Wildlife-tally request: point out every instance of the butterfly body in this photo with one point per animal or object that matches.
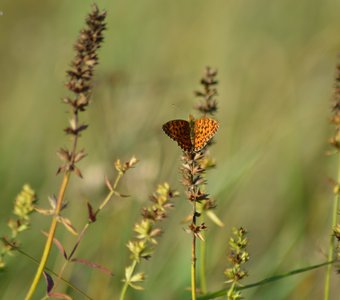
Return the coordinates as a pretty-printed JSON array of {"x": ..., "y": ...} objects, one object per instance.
[{"x": 191, "y": 135}]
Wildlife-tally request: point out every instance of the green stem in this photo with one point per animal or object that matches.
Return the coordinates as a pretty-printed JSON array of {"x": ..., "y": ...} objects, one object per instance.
[
  {"x": 50, "y": 237},
  {"x": 193, "y": 255},
  {"x": 111, "y": 193},
  {"x": 126, "y": 282},
  {"x": 86, "y": 226},
  {"x": 231, "y": 290},
  {"x": 223, "y": 292},
  {"x": 203, "y": 248},
  {"x": 332, "y": 238}
]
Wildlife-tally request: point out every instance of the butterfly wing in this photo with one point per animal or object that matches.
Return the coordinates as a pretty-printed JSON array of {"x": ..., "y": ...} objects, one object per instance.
[
  {"x": 205, "y": 129},
  {"x": 179, "y": 131}
]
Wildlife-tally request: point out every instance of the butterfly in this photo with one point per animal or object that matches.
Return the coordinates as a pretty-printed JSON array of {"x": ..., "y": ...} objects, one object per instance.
[{"x": 191, "y": 135}]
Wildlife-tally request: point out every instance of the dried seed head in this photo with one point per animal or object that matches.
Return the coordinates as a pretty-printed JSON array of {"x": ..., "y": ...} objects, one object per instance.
[
  {"x": 335, "y": 119},
  {"x": 209, "y": 103}
]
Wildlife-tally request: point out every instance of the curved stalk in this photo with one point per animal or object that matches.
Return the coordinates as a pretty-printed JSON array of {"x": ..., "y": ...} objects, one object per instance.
[
  {"x": 86, "y": 226},
  {"x": 50, "y": 237}
]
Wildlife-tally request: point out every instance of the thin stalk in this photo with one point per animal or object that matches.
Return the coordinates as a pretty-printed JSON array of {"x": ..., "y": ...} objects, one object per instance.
[
  {"x": 126, "y": 283},
  {"x": 50, "y": 237},
  {"x": 231, "y": 290},
  {"x": 266, "y": 280},
  {"x": 86, "y": 226},
  {"x": 108, "y": 197},
  {"x": 66, "y": 262},
  {"x": 54, "y": 222},
  {"x": 193, "y": 255},
  {"x": 202, "y": 259},
  {"x": 332, "y": 237},
  {"x": 47, "y": 269}
]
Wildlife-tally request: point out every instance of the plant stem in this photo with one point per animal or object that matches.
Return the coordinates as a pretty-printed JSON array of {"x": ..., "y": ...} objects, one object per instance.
[
  {"x": 69, "y": 284},
  {"x": 262, "y": 282},
  {"x": 108, "y": 197},
  {"x": 50, "y": 237},
  {"x": 86, "y": 226},
  {"x": 332, "y": 238},
  {"x": 231, "y": 290},
  {"x": 193, "y": 254},
  {"x": 203, "y": 247},
  {"x": 126, "y": 282}
]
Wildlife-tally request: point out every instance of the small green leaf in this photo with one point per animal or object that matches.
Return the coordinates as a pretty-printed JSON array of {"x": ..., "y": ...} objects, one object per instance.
[
  {"x": 136, "y": 287},
  {"x": 139, "y": 277},
  {"x": 128, "y": 273},
  {"x": 68, "y": 225},
  {"x": 213, "y": 217}
]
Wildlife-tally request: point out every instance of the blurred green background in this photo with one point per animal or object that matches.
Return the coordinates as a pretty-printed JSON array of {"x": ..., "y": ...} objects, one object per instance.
[{"x": 276, "y": 62}]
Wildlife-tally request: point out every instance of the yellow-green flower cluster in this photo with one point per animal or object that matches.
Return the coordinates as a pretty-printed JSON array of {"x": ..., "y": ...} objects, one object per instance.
[
  {"x": 237, "y": 256},
  {"x": 23, "y": 207},
  {"x": 143, "y": 246}
]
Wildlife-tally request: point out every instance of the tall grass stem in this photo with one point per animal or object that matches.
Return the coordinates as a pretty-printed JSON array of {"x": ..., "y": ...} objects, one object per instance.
[
  {"x": 80, "y": 236},
  {"x": 193, "y": 254},
  {"x": 50, "y": 237},
  {"x": 332, "y": 238},
  {"x": 203, "y": 260}
]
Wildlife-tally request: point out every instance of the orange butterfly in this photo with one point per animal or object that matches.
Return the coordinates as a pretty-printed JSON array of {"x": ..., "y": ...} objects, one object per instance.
[{"x": 192, "y": 135}]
